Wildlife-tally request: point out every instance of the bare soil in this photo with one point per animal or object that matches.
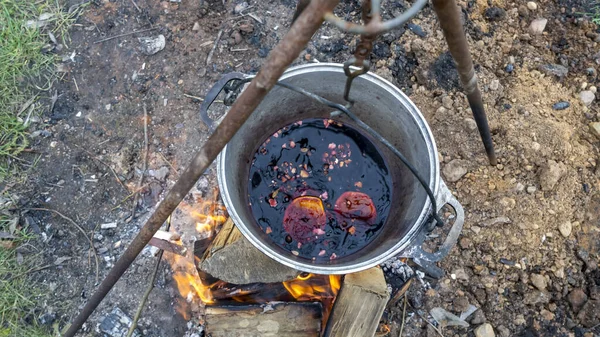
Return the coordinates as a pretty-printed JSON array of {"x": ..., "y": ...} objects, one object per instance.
[{"x": 97, "y": 122}]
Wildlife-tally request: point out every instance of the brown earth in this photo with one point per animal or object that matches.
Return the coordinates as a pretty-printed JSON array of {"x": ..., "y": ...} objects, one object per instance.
[{"x": 547, "y": 176}]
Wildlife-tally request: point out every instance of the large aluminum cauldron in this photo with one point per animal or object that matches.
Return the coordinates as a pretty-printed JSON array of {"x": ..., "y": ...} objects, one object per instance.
[{"x": 387, "y": 110}]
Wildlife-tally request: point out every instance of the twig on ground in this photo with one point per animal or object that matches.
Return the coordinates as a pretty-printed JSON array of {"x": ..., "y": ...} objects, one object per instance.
[
  {"x": 212, "y": 51},
  {"x": 79, "y": 228},
  {"x": 126, "y": 34},
  {"x": 136, "y": 6},
  {"x": 194, "y": 97},
  {"x": 426, "y": 320},
  {"x": 168, "y": 162},
  {"x": 403, "y": 317},
  {"x": 105, "y": 164},
  {"x": 75, "y": 81},
  {"x": 144, "y": 165},
  {"x": 138, "y": 313}
]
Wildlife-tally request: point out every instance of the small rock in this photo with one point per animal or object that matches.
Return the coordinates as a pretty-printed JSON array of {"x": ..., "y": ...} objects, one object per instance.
[
  {"x": 495, "y": 13},
  {"x": 116, "y": 324},
  {"x": 507, "y": 202},
  {"x": 536, "y": 297},
  {"x": 547, "y": 315},
  {"x": 416, "y": 29},
  {"x": 455, "y": 170},
  {"x": 554, "y": 69},
  {"x": 565, "y": 228},
  {"x": 577, "y": 299},
  {"x": 485, "y": 330},
  {"x": 478, "y": 317},
  {"x": 494, "y": 85},
  {"x": 551, "y": 174},
  {"x": 461, "y": 274},
  {"x": 587, "y": 97},
  {"x": 240, "y": 7},
  {"x": 520, "y": 320},
  {"x": 160, "y": 174},
  {"x": 561, "y": 105},
  {"x": 537, "y": 26},
  {"x": 589, "y": 316},
  {"x": 109, "y": 225},
  {"x": 595, "y": 129},
  {"x": 470, "y": 124},
  {"x": 501, "y": 220},
  {"x": 47, "y": 318},
  {"x": 538, "y": 281},
  {"x": 532, "y": 6},
  {"x": 196, "y": 27},
  {"x": 447, "y": 102},
  {"x": 593, "y": 89},
  {"x": 509, "y": 68},
  {"x": 531, "y": 189},
  {"x": 503, "y": 331},
  {"x": 151, "y": 45},
  {"x": 237, "y": 37},
  {"x": 461, "y": 304}
]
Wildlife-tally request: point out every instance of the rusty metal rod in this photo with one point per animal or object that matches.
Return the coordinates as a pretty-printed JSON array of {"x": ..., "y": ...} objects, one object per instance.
[
  {"x": 278, "y": 60},
  {"x": 449, "y": 16}
]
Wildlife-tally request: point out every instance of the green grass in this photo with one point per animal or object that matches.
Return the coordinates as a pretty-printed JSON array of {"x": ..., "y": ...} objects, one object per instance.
[
  {"x": 17, "y": 295},
  {"x": 24, "y": 66}
]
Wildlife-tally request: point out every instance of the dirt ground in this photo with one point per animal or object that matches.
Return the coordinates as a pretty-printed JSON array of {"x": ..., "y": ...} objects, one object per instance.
[{"x": 528, "y": 254}]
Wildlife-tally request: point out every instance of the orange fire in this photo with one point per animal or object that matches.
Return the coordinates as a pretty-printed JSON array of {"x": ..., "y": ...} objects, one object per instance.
[
  {"x": 196, "y": 292},
  {"x": 312, "y": 287}
]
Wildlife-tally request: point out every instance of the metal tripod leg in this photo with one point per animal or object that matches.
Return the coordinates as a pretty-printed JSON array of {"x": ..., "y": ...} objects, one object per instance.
[{"x": 449, "y": 16}]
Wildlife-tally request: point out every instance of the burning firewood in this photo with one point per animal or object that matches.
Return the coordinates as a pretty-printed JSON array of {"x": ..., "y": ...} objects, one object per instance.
[
  {"x": 359, "y": 305},
  {"x": 231, "y": 258},
  {"x": 273, "y": 319}
]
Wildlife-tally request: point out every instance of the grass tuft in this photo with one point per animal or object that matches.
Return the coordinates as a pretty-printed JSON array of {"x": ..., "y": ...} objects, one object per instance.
[{"x": 24, "y": 64}]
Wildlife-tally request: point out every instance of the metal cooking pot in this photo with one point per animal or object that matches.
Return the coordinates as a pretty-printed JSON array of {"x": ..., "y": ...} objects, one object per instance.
[{"x": 388, "y": 111}]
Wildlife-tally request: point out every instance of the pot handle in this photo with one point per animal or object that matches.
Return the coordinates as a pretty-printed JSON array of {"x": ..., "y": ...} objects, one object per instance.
[
  {"x": 211, "y": 95},
  {"x": 425, "y": 259}
]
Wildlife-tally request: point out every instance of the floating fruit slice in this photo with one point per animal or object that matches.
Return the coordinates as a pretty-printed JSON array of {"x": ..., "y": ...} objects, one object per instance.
[
  {"x": 304, "y": 218},
  {"x": 356, "y": 205}
]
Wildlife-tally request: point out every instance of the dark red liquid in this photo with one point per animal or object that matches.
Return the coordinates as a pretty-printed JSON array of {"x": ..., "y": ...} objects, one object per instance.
[{"x": 319, "y": 189}]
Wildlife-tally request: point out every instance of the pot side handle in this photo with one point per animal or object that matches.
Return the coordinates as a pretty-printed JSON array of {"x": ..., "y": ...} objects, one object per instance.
[
  {"x": 428, "y": 260},
  {"x": 212, "y": 94}
]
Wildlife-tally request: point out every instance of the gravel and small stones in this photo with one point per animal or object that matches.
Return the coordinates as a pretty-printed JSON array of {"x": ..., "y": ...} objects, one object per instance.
[
  {"x": 150, "y": 45},
  {"x": 554, "y": 70},
  {"x": 561, "y": 105},
  {"x": 589, "y": 315},
  {"x": 565, "y": 228},
  {"x": 485, "y": 330},
  {"x": 455, "y": 170},
  {"x": 537, "y": 26},
  {"x": 587, "y": 97}
]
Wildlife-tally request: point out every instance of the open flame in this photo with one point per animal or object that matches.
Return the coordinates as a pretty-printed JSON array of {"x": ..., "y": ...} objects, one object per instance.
[{"x": 197, "y": 289}]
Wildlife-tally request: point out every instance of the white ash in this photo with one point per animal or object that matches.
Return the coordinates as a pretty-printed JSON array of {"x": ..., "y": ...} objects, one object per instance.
[{"x": 397, "y": 267}]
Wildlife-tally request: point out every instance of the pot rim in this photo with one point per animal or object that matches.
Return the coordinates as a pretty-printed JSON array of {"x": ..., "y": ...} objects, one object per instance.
[{"x": 404, "y": 243}]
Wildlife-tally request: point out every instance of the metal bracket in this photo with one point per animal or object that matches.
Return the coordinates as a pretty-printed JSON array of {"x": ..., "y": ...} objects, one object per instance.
[{"x": 428, "y": 260}]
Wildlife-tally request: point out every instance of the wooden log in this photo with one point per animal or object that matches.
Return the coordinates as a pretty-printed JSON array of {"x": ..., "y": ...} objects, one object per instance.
[
  {"x": 291, "y": 319},
  {"x": 359, "y": 305},
  {"x": 233, "y": 259}
]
